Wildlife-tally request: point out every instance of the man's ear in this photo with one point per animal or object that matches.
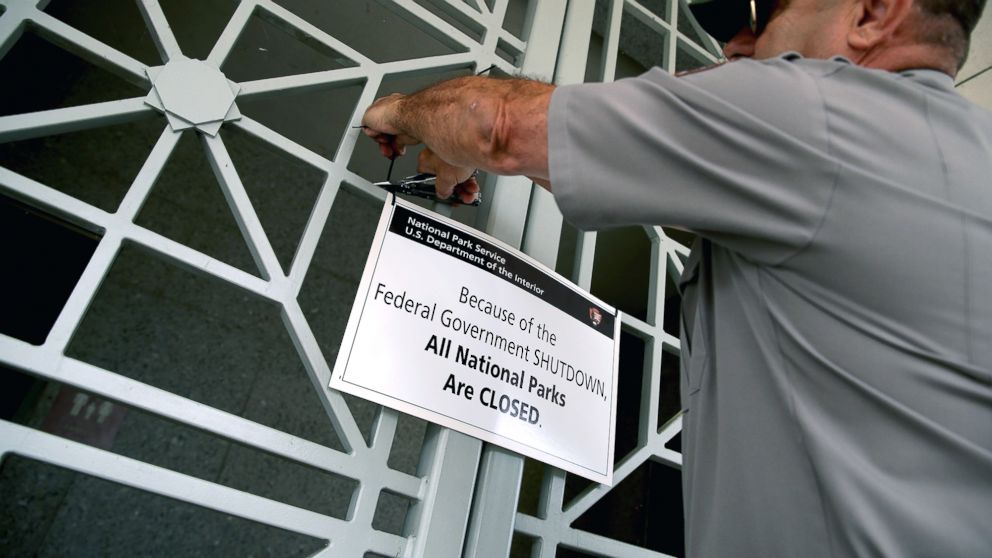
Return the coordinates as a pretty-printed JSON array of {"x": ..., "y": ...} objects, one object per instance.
[{"x": 877, "y": 21}]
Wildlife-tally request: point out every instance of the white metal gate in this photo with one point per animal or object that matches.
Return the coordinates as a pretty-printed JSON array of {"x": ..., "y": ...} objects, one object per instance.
[{"x": 462, "y": 497}]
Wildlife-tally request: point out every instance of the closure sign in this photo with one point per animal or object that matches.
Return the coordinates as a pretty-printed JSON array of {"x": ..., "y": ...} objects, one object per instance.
[{"x": 457, "y": 328}]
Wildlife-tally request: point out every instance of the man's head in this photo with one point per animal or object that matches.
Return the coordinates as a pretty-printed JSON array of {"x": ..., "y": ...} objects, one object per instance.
[{"x": 889, "y": 34}]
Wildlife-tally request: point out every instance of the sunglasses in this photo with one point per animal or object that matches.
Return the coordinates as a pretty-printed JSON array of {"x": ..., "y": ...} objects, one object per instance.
[
  {"x": 724, "y": 18},
  {"x": 760, "y": 12}
]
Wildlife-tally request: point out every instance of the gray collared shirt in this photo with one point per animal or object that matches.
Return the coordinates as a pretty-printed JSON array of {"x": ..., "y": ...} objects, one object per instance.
[{"x": 837, "y": 333}]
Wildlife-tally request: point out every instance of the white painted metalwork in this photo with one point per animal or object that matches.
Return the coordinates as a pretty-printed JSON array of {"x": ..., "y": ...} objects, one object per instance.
[
  {"x": 442, "y": 490},
  {"x": 193, "y": 94}
]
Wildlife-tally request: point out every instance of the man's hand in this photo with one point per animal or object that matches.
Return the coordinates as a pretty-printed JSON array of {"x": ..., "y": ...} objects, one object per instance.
[
  {"x": 472, "y": 122},
  {"x": 381, "y": 123},
  {"x": 450, "y": 178}
]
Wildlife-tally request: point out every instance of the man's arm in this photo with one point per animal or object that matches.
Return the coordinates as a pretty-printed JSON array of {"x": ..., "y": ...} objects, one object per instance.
[{"x": 497, "y": 125}]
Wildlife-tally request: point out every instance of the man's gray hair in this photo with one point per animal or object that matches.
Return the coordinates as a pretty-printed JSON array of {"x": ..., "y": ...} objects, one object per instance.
[{"x": 949, "y": 23}]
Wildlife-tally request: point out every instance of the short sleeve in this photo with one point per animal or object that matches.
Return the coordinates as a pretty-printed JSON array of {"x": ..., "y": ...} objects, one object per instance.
[{"x": 738, "y": 154}]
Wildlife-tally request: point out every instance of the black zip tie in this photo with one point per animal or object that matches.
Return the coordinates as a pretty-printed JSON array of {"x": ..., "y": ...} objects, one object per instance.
[{"x": 389, "y": 173}]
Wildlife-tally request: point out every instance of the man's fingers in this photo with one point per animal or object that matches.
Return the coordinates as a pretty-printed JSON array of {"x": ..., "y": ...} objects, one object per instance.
[
  {"x": 379, "y": 117},
  {"x": 450, "y": 179},
  {"x": 378, "y": 123},
  {"x": 391, "y": 151},
  {"x": 468, "y": 191},
  {"x": 455, "y": 180},
  {"x": 444, "y": 185}
]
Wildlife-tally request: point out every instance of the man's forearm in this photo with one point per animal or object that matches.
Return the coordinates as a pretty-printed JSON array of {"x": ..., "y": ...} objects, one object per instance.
[{"x": 498, "y": 125}]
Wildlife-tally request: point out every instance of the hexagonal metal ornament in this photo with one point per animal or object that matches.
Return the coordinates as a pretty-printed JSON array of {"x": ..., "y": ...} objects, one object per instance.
[{"x": 192, "y": 93}]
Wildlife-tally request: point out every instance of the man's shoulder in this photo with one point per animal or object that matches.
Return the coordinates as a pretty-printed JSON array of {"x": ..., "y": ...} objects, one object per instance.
[
  {"x": 770, "y": 78},
  {"x": 781, "y": 91}
]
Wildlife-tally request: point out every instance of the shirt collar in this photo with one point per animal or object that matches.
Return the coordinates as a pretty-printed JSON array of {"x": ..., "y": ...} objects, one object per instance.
[{"x": 934, "y": 78}]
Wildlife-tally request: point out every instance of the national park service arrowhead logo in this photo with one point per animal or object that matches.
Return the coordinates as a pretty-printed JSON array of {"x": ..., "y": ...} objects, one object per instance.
[{"x": 595, "y": 316}]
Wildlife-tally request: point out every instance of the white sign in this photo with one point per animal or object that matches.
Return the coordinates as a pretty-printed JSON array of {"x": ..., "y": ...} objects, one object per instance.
[{"x": 457, "y": 328}]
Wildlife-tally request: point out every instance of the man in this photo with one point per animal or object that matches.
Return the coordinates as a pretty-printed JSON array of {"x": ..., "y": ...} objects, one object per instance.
[{"x": 837, "y": 309}]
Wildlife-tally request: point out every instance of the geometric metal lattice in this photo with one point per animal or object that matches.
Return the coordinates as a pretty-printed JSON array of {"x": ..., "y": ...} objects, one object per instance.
[
  {"x": 452, "y": 476},
  {"x": 197, "y": 99}
]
